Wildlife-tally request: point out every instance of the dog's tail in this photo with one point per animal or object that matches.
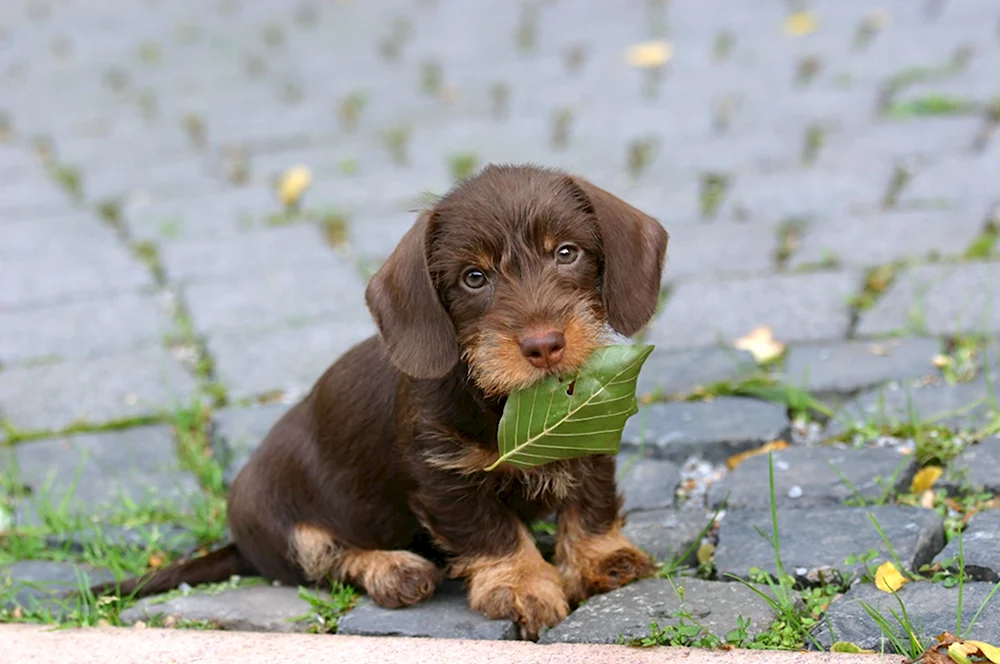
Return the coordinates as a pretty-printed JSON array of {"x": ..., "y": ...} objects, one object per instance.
[{"x": 219, "y": 565}]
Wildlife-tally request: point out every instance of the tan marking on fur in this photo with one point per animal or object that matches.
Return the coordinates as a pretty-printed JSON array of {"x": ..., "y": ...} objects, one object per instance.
[
  {"x": 549, "y": 243},
  {"x": 590, "y": 564},
  {"x": 520, "y": 586},
  {"x": 555, "y": 479},
  {"x": 498, "y": 367},
  {"x": 316, "y": 551},
  {"x": 391, "y": 578}
]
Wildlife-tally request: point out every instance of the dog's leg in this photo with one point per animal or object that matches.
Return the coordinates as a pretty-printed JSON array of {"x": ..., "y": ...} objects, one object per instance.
[
  {"x": 391, "y": 578},
  {"x": 592, "y": 554},
  {"x": 495, "y": 553}
]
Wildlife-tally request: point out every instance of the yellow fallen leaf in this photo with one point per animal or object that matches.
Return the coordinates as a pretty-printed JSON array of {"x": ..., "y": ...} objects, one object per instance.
[
  {"x": 705, "y": 553},
  {"x": 941, "y": 361},
  {"x": 888, "y": 579},
  {"x": 800, "y": 24},
  {"x": 293, "y": 184},
  {"x": 761, "y": 344},
  {"x": 960, "y": 652},
  {"x": 925, "y": 479},
  {"x": 986, "y": 650},
  {"x": 737, "y": 459},
  {"x": 649, "y": 54}
]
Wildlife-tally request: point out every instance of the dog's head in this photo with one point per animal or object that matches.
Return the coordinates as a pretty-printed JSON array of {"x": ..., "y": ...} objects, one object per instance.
[{"x": 519, "y": 271}]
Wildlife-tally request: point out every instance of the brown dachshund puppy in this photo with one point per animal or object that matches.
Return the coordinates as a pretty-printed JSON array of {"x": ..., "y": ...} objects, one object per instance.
[{"x": 516, "y": 274}]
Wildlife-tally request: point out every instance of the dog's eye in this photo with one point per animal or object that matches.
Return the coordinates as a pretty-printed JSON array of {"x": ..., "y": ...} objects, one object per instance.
[
  {"x": 474, "y": 278},
  {"x": 567, "y": 253}
]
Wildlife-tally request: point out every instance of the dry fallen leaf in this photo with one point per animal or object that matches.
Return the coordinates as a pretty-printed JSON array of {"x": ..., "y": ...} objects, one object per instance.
[
  {"x": 293, "y": 185},
  {"x": 941, "y": 361},
  {"x": 649, "y": 54},
  {"x": 927, "y": 499},
  {"x": 925, "y": 479},
  {"x": 888, "y": 578},
  {"x": 800, "y": 24},
  {"x": 737, "y": 459},
  {"x": 761, "y": 344}
]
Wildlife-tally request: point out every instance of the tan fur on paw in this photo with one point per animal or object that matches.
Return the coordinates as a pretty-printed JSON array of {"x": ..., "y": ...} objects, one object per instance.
[
  {"x": 520, "y": 587},
  {"x": 592, "y": 564},
  {"x": 392, "y": 578}
]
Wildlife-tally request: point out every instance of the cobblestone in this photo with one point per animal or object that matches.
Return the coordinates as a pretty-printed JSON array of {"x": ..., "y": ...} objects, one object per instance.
[{"x": 785, "y": 166}]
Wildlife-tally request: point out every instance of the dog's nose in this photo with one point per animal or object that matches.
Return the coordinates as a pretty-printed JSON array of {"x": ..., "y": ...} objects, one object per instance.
[{"x": 544, "y": 350}]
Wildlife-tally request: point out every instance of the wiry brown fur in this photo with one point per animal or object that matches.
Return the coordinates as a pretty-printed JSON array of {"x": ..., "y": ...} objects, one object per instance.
[{"x": 377, "y": 477}]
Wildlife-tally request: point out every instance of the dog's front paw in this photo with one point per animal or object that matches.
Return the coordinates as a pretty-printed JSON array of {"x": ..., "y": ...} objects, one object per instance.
[
  {"x": 619, "y": 568},
  {"x": 399, "y": 578},
  {"x": 600, "y": 563},
  {"x": 532, "y": 596}
]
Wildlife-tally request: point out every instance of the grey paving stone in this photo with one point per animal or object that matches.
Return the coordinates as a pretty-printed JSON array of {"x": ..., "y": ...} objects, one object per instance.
[
  {"x": 154, "y": 536},
  {"x": 646, "y": 484},
  {"x": 930, "y": 605},
  {"x": 974, "y": 468},
  {"x": 289, "y": 360},
  {"x": 963, "y": 406},
  {"x": 42, "y": 584},
  {"x": 256, "y": 608},
  {"x": 216, "y": 215},
  {"x": 446, "y": 615},
  {"x": 668, "y": 534},
  {"x": 375, "y": 237},
  {"x": 713, "y": 430},
  {"x": 82, "y": 329},
  {"x": 97, "y": 473},
  {"x": 43, "y": 262},
  {"x": 675, "y": 373},
  {"x": 805, "y": 193},
  {"x": 807, "y": 477},
  {"x": 627, "y": 613},
  {"x": 99, "y": 390},
  {"x": 980, "y": 548},
  {"x": 940, "y": 299},
  {"x": 845, "y": 367},
  {"x": 720, "y": 249},
  {"x": 237, "y": 432},
  {"x": 278, "y": 299},
  {"x": 800, "y": 307},
  {"x": 958, "y": 181},
  {"x": 244, "y": 254},
  {"x": 826, "y": 539},
  {"x": 887, "y": 237}
]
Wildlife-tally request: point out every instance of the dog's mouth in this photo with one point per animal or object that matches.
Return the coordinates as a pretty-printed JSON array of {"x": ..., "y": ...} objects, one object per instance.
[{"x": 504, "y": 361}]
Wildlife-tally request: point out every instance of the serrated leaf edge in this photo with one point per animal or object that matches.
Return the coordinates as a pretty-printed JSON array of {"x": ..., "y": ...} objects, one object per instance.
[{"x": 518, "y": 449}]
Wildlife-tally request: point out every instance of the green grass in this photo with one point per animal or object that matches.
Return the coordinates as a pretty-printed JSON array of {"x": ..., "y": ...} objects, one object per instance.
[
  {"x": 931, "y": 105},
  {"x": 713, "y": 189},
  {"x": 326, "y": 611},
  {"x": 462, "y": 165}
]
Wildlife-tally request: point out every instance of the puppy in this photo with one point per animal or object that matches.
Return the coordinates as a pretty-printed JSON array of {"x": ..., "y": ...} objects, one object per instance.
[{"x": 377, "y": 477}]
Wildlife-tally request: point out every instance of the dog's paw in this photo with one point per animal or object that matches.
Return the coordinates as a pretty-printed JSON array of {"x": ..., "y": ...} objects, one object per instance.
[
  {"x": 399, "y": 578},
  {"x": 602, "y": 573},
  {"x": 532, "y": 597}
]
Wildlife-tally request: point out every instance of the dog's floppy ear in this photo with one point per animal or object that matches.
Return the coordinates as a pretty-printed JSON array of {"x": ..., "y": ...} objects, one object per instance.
[
  {"x": 414, "y": 326},
  {"x": 635, "y": 245}
]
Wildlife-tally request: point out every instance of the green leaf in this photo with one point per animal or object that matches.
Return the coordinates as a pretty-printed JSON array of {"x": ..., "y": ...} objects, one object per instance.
[{"x": 567, "y": 417}]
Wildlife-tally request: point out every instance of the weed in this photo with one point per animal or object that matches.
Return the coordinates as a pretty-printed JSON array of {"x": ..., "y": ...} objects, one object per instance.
[
  {"x": 350, "y": 109},
  {"x": 813, "y": 143},
  {"x": 897, "y": 183},
  {"x": 500, "y": 100},
  {"x": 462, "y": 165},
  {"x": 722, "y": 45},
  {"x": 396, "y": 139},
  {"x": 790, "y": 232},
  {"x": 877, "y": 281},
  {"x": 713, "y": 189},
  {"x": 762, "y": 386},
  {"x": 431, "y": 78},
  {"x": 326, "y": 612},
  {"x": 931, "y": 104},
  {"x": 562, "y": 122},
  {"x": 69, "y": 178},
  {"x": 335, "y": 227},
  {"x": 641, "y": 152},
  {"x": 984, "y": 246}
]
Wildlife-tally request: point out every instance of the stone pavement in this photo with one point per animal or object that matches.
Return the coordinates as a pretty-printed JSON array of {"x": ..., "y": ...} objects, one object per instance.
[{"x": 832, "y": 174}]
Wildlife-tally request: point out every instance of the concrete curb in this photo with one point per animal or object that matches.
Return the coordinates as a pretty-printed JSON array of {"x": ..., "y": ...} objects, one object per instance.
[{"x": 45, "y": 645}]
